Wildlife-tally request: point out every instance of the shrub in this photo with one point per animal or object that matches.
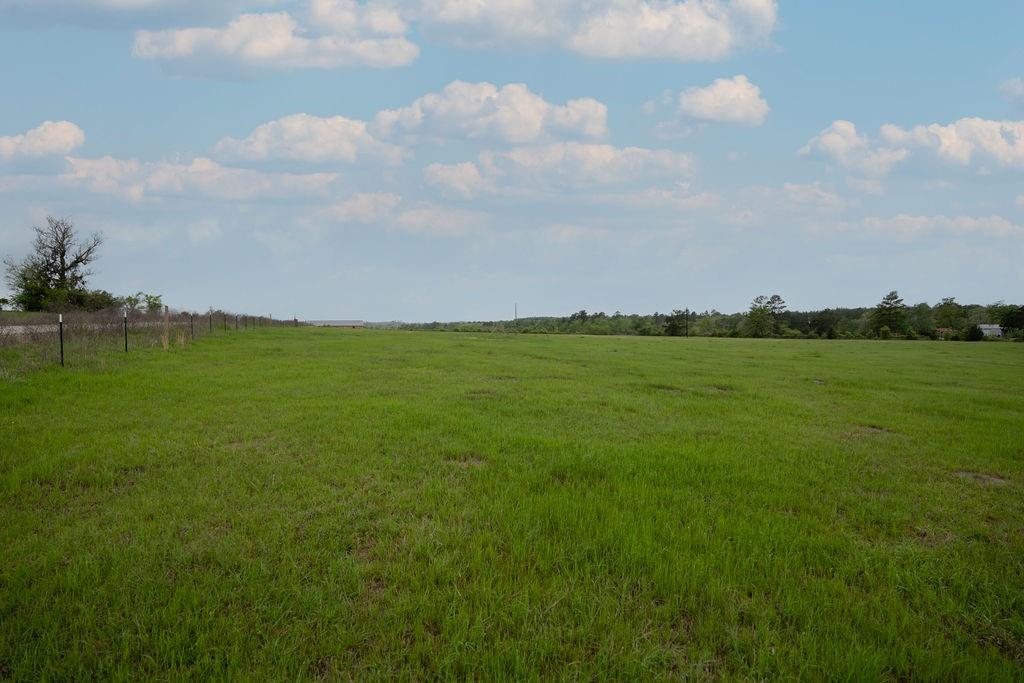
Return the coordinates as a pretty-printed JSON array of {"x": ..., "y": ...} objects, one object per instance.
[{"x": 973, "y": 333}]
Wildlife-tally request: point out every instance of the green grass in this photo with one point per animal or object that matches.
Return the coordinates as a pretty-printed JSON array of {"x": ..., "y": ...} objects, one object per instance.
[{"x": 304, "y": 503}]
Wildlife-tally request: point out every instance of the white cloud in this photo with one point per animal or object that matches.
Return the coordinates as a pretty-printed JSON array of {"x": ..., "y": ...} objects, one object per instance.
[
  {"x": 841, "y": 144},
  {"x": 730, "y": 100},
  {"x": 369, "y": 207},
  {"x": 301, "y": 137},
  {"x": 120, "y": 13},
  {"x": 461, "y": 180},
  {"x": 201, "y": 178},
  {"x": 47, "y": 139},
  {"x": 340, "y": 33},
  {"x": 1013, "y": 89},
  {"x": 562, "y": 167},
  {"x": 577, "y": 165},
  {"x": 965, "y": 140},
  {"x": 510, "y": 114},
  {"x": 684, "y": 30},
  {"x": 431, "y": 219}
]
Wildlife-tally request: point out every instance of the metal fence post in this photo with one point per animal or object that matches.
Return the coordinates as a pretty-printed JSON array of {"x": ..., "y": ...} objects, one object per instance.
[
  {"x": 192, "y": 325},
  {"x": 126, "y": 330},
  {"x": 60, "y": 324},
  {"x": 211, "y": 320}
]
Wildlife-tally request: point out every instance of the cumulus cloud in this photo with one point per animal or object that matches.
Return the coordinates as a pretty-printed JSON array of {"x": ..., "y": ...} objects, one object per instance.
[
  {"x": 588, "y": 165},
  {"x": 510, "y": 114},
  {"x": 107, "y": 13},
  {"x": 965, "y": 140},
  {"x": 333, "y": 33},
  {"x": 47, "y": 139},
  {"x": 684, "y": 30},
  {"x": 563, "y": 166},
  {"x": 842, "y": 144},
  {"x": 305, "y": 138},
  {"x": 201, "y": 178},
  {"x": 729, "y": 100},
  {"x": 460, "y": 180},
  {"x": 339, "y": 33}
]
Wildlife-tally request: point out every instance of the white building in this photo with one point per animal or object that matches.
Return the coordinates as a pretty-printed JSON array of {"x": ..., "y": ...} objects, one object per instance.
[{"x": 991, "y": 330}]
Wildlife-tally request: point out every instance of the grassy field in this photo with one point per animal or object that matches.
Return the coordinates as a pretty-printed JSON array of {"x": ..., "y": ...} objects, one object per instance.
[{"x": 303, "y": 503}]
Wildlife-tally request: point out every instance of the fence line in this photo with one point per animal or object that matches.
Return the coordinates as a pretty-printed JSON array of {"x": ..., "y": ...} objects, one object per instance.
[{"x": 79, "y": 339}]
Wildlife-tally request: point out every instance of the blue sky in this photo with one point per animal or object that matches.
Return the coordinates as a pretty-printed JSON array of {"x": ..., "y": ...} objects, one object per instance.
[{"x": 445, "y": 159}]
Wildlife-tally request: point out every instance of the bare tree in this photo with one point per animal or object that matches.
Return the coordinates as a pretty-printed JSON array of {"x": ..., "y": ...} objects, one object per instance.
[
  {"x": 59, "y": 263},
  {"x": 64, "y": 260}
]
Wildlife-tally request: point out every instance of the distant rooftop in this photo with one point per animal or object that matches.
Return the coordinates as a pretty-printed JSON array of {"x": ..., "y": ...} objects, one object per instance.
[{"x": 336, "y": 323}]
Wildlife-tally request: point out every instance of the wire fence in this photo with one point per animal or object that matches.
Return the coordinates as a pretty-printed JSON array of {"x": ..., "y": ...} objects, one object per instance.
[{"x": 30, "y": 341}]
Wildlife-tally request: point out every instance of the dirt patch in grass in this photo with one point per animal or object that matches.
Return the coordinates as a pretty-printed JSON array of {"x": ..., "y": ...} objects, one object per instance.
[
  {"x": 982, "y": 478},
  {"x": 932, "y": 538},
  {"x": 819, "y": 382},
  {"x": 323, "y": 669},
  {"x": 666, "y": 388},
  {"x": 864, "y": 431},
  {"x": 1004, "y": 641},
  {"x": 468, "y": 460}
]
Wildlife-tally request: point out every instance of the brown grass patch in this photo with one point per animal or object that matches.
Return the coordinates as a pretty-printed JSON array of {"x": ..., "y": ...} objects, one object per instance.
[
  {"x": 982, "y": 478},
  {"x": 466, "y": 460}
]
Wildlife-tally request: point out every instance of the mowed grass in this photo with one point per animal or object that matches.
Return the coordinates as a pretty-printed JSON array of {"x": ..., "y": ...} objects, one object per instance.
[{"x": 301, "y": 503}]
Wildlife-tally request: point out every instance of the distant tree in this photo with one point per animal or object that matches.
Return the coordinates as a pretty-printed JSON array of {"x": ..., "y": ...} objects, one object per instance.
[
  {"x": 777, "y": 307},
  {"x": 154, "y": 302},
  {"x": 4, "y": 302},
  {"x": 580, "y": 316},
  {"x": 54, "y": 275},
  {"x": 890, "y": 312},
  {"x": 131, "y": 301},
  {"x": 1006, "y": 315},
  {"x": 948, "y": 313},
  {"x": 677, "y": 324},
  {"x": 973, "y": 333},
  {"x": 1014, "y": 319},
  {"x": 921, "y": 319},
  {"x": 759, "y": 321},
  {"x": 824, "y": 323}
]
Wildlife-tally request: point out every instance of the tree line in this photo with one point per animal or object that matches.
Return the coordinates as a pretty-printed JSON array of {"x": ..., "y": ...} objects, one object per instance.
[{"x": 769, "y": 316}]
